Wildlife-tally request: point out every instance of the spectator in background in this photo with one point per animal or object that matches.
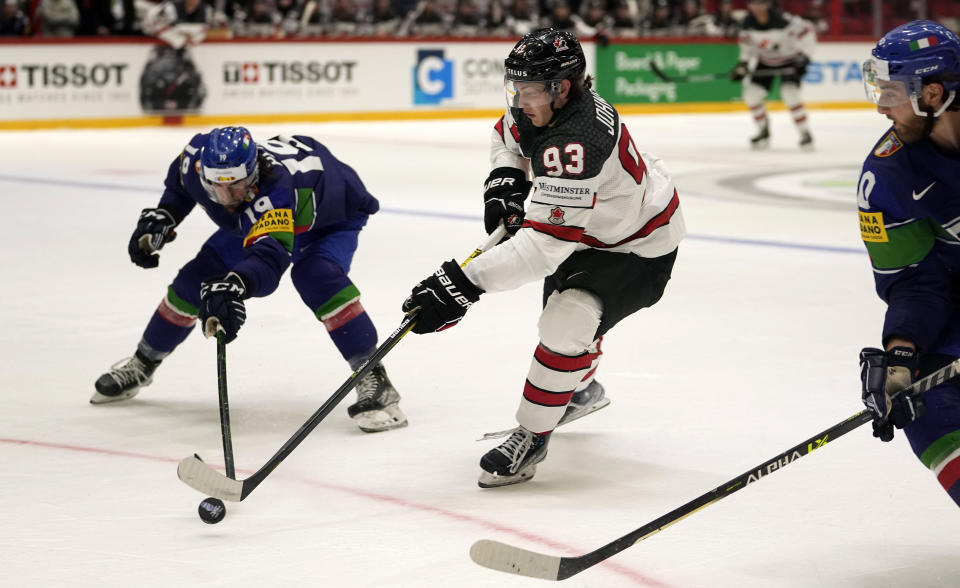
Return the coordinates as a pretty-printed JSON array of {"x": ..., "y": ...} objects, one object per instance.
[
  {"x": 263, "y": 20},
  {"x": 58, "y": 18},
  {"x": 343, "y": 18},
  {"x": 13, "y": 22},
  {"x": 289, "y": 11},
  {"x": 467, "y": 21},
  {"x": 692, "y": 21},
  {"x": 425, "y": 21},
  {"x": 179, "y": 22},
  {"x": 562, "y": 19},
  {"x": 95, "y": 18},
  {"x": 623, "y": 23},
  {"x": 594, "y": 15},
  {"x": 814, "y": 14},
  {"x": 384, "y": 19},
  {"x": 496, "y": 21},
  {"x": 521, "y": 18},
  {"x": 724, "y": 23},
  {"x": 658, "y": 22}
]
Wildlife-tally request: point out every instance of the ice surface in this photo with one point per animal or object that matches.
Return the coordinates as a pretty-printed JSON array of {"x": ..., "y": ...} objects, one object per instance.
[{"x": 752, "y": 349}]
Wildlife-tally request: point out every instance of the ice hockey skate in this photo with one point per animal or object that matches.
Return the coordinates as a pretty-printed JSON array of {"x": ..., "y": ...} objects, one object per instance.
[
  {"x": 515, "y": 460},
  {"x": 584, "y": 402},
  {"x": 761, "y": 140},
  {"x": 806, "y": 141},
  {"x": 124, "y": 379},
  {"x": 377, "y": 407}
]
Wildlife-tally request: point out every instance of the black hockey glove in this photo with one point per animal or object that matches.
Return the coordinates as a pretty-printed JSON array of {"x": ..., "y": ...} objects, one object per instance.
[
  {"x": 221, "y": 305},
  {"x": 443, "y": 299},
  {"x": 800, "y": 64},
  {"x": 154, "y": 230},
  {"x": 503, "y": 194},
  {"x": 884, "y": 374},
  {"x": 739, "y": 72}
]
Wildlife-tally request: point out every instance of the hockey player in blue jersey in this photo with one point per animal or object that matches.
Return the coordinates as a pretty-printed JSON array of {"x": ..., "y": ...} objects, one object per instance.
[
  {"x": 285, "y": 202},
  {"x": 909, "y": 201}
]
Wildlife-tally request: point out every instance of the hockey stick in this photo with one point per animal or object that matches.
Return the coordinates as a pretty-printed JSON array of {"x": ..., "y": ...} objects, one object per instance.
[
  {"x": 200, "y": 476},
  {"x": 224, "y": 406},
  {"x": 712, "y": 77},
  {"x": 514, "y": 560}
]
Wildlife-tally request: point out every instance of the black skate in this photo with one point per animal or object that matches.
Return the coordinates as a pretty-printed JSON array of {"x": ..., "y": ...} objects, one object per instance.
[
  {"x": 761, "y": 140},
  {"x": 515, "y": 460},
  {"x": 377, "y": 407},
  {"x": 124, "y": 379},
  {"x": 582, "y": 403},
  {"x": 806, "y": 141}
]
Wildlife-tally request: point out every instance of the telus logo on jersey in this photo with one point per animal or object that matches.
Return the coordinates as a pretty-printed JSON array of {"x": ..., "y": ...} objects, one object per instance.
[
  {"x": 432, "y": 77},
  {"x": 61, "y": 75},
  {"x": 288, "y": 72}
]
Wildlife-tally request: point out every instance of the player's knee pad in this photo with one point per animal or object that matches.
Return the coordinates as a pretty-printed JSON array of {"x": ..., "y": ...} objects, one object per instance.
[
  {"x": 791, "y": 94},
  {"x": 569, "y": 321},
  {"x": 753, "y": 94}
]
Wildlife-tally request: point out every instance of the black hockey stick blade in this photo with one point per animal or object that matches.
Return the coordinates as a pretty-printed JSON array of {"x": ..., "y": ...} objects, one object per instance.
[
  {"x": 514, "y": 560},
  {"x": 193, "y": 472}
]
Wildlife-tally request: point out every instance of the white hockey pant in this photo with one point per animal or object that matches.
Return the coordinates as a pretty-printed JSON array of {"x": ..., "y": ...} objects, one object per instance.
[{"x": 564, "y": 361}]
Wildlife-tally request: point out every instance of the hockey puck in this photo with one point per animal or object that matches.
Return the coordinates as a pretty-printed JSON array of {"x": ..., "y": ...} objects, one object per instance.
[{"x": 212, "y": 510}]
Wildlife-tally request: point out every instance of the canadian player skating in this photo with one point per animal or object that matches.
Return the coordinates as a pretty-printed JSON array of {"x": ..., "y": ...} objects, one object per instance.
[
  {"x": 910, "y": 222},
  {"x": 771, "y": 41},
  {"x": 286, "y": 201},
  {"x": 602, "y": 227}
]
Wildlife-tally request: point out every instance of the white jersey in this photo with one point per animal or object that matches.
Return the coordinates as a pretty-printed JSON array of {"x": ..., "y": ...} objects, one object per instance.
[
  {"x": 592, "y": 188},
  {"x": 778, "y": 42}
]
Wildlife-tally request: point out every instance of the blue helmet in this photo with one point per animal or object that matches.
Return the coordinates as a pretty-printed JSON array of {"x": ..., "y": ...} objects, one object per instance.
[
  {"x": 907, "y": 55},
  {"x": 229, "y": 156}
]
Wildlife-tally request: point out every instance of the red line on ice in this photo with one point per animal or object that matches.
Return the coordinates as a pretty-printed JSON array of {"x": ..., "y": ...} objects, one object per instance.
[{"x": 624, "y": 571}]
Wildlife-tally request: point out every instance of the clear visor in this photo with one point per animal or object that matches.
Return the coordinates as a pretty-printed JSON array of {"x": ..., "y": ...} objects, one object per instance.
[
  {"x": 230, "y": 194},
  {"x": 530, "y": 94},
  {"x": 883, "y": 91}
]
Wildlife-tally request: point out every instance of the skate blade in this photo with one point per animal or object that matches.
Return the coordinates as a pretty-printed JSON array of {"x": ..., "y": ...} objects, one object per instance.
[
  {"x": 808, "y": 147},
  {"x": 99, "y": 398},
  {"x": 602, "y": 403},
  {"x": 760, "y": 145},
  {"x": 580, "y": 413},
  {"x": 488, "y": 480},
  {"x": 382, "y": 419}
]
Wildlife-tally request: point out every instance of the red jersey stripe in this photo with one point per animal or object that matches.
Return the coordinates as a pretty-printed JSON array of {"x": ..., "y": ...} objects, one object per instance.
[
  {"x": 651, "y": 226},
  {"x": 574, "y": 234}
]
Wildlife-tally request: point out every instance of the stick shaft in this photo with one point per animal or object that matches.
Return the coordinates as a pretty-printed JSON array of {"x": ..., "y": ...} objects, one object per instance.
[{"x": 224, "y": 406}]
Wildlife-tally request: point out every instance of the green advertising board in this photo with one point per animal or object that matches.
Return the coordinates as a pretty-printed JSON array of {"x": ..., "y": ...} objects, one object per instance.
[{"x": 624, "y": 75}]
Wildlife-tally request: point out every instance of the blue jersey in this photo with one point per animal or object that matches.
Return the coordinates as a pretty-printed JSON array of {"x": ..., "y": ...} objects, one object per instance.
[
  {"x": 306, "y": 195},
  {"x": 909, "y": 201}
]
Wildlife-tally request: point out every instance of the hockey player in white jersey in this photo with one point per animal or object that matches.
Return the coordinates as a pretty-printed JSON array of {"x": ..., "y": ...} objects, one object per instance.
[
  {"x": 774, "y": 44},
  {"x": 602, "y": 227}
]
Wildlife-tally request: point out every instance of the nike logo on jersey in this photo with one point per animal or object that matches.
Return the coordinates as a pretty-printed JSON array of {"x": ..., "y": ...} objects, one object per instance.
[{"x": 925, "y": 190}]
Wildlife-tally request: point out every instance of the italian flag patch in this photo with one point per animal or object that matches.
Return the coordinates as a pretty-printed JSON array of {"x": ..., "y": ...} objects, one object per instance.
[{"x": 923, "y": 43}]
